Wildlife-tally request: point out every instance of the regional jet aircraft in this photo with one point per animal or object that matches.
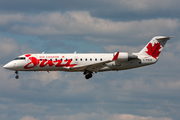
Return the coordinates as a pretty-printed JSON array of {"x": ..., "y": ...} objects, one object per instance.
[{"x": 89, "y": 63}]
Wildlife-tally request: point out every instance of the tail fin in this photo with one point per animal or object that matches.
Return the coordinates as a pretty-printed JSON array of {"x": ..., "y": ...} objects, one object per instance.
[{"x": 154, "y": 47}]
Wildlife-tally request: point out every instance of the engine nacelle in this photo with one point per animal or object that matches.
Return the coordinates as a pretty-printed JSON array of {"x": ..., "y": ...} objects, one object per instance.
[{"x": 123, "y": 56}]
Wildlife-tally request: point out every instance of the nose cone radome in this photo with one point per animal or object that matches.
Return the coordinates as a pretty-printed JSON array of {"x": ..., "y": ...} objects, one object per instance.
[{"x": 8, "y": 66}]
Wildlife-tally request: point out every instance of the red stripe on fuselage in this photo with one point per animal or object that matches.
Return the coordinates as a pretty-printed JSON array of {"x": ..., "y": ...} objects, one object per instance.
[{"x": 44, "y": 62}]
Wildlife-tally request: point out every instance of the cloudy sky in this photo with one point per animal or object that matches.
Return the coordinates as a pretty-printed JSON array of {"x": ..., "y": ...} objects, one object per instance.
[{"x": 86, "y": 26}]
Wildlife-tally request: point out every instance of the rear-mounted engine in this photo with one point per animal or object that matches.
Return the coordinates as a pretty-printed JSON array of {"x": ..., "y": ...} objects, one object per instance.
[{"x": 123, "y": 56}]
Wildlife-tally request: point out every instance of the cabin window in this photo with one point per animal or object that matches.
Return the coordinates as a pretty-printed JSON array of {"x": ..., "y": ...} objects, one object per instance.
[
  {"x": 86, "y": 59},
  {"x": 55, "y": 59},
  {"x": 81, "y": 59},
  {"x": 96, "y": 59},
  {"x": 76, "y": 59},
  {"x": 61, "y": 59},
  {"x": 71, "y": 59},
  {"x": 90, "y": 59},
  {"x": 20, "y": 58},
  {"x": 45, "y": 59},
  {"x": 40, "y": 59},
  {"x": 16, "y": 59},
  {"x": 50, "y": 59},
  {"x": 101, "y": 59}
]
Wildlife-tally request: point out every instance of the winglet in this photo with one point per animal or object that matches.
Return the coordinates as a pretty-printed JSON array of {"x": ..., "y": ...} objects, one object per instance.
[{"x": 116, "y": 56}]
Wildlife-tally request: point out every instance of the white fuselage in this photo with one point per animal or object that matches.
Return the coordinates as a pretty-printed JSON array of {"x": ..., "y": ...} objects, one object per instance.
[
  {"x": 89, "y": 63},
  {"x": 73, "y": 62}
]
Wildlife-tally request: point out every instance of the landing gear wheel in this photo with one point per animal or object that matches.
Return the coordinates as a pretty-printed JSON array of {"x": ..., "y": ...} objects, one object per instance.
[
  {"x": 88, "y": 76},
  {"x": 17, "y": 76}
]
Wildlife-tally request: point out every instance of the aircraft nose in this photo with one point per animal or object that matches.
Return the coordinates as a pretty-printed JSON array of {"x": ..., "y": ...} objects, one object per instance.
[{"x": 8, "y": 65}]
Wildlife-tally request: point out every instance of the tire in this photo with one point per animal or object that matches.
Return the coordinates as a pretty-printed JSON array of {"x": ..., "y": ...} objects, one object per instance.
[{"x": 17, "y": 77}]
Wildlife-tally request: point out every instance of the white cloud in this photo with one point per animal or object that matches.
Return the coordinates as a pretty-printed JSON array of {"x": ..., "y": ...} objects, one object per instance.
[
  {"x": 134, "y": 117},
  {"x": 44, "y": 76},
  {"x": 28, "y": 118},
  {"x": 82, "y": 23},
  {"x": 169, "y": 85},
  {"x": 123, "y": 91},
  {"x": 10, "y": 18},
  {"x": 79, "y": 85},
  {"x": 6, "y": 81},
  {"x": 8, "y": 46},
  {"x": 104, "y": 116},
  {"x": 79, "y": 116},
  {"x": 28, "y": 108}
]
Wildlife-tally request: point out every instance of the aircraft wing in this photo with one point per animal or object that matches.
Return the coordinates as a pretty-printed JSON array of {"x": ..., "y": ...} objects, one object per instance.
[{"x": 95, "y": 67}]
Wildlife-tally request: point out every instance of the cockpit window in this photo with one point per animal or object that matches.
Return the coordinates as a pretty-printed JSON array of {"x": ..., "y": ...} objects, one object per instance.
[{"x": 20, "y": 58}]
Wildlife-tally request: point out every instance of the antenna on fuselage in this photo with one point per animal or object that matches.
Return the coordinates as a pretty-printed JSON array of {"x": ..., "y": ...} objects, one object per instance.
[
  {"x": 43, "y": 52},
  {"x": 75, "y": 52}
]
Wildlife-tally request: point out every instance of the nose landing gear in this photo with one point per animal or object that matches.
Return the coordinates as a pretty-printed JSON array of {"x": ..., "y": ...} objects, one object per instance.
[{"x": 17, "y": 76}]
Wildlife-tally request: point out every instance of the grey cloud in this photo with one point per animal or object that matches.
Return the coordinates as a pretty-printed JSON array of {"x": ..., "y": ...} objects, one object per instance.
[
  {"x": 142, "y": 91},
  {"x": 149, "y": 93},
  {"x": 124, "y": 48},
  {"x": 114, "y": 9},
  {"x": 7, "y": 47},
  {"x": 105, "y": 90},
  {"x": 10, "y": 48}
]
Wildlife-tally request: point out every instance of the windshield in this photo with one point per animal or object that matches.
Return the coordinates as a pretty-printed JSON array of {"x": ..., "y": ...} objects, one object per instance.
[{"x": 20, "y": 58}]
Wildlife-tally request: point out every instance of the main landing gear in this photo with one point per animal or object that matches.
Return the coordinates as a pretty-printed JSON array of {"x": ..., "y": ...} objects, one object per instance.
[
  {"x": 88, "y": 74},
  {"x": 17, "y": 76}
]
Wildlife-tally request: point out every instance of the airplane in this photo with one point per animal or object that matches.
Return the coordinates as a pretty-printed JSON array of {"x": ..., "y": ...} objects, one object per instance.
[{"x": 91, "y": 62}]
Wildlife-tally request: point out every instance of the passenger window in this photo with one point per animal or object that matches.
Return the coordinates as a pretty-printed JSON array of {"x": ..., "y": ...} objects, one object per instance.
[
  {"x": 101, "y": 59},
  {"x": 50, "y": 59},
  {"x": 40, "y": 59},
  {"x": 90, "y": 59},
  {"x": 81, "y": 59},
  {"x": 45, "y": 59},
  {"x": 76, "y": 59},
  {"x": 71, "y": 59},
  {"x": 96, "y": 59},
  {"x": 86, "y": 59}
]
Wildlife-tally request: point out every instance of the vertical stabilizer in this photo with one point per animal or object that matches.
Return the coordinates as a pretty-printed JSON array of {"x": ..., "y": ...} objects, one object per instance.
[{"x": 154, "y": 47}]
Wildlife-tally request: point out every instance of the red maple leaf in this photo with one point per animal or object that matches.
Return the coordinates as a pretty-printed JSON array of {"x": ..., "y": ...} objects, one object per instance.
[{"x": 154, "y": 50}]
